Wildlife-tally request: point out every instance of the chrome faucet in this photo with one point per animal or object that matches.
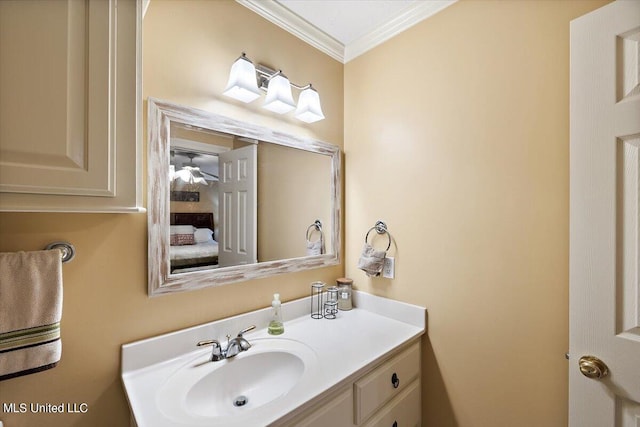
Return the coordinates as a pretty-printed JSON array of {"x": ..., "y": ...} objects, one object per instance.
[
  {"x": 238, "y": 344},
  {"x": 234, "y": 346}
]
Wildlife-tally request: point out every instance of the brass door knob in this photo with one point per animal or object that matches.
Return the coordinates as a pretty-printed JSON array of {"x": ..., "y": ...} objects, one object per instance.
[{"x": 592, "y": 367}]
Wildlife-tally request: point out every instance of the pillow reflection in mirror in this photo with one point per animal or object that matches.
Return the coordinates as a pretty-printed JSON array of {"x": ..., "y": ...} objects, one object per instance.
[
  {"x": 181, "y": 235},
  {"x": 203, "y": 235}
]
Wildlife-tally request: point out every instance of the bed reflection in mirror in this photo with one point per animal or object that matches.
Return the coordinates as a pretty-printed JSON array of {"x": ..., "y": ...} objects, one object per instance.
[{"x": 238, "y": 201}]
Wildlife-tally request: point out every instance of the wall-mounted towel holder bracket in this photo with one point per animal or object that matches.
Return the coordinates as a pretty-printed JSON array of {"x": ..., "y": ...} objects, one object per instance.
[
  {"x": 317, "y": 225},
  {"x": 67, "y": 251},
  {"x": 381, "y": 228}
]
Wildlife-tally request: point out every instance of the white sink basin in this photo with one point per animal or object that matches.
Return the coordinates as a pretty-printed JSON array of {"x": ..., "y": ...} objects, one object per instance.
[
  {"x": 245, "y": 383},
  {"x": 225, "y": 391}
]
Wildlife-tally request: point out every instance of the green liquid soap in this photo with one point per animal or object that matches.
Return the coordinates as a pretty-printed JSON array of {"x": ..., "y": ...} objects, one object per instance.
[
  {"x": 275, "y": 325},
  {"x": 275, "y": 328}
]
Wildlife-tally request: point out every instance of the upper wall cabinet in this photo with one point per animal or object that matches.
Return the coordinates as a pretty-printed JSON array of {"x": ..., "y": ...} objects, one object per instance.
[{"x": 69, "y": 107}]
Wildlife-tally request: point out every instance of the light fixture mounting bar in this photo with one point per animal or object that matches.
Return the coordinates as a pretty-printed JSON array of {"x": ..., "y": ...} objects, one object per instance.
[
  {"x": 265, "y": 74},
  {"x": 247, "y": 81}
]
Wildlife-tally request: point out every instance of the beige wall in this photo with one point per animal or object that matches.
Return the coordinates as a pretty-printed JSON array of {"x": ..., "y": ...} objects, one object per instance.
[
  {"x": 457, "y": 135},
  {"x": 105, "y": 297},
  {"x": 293, "y": 191}
]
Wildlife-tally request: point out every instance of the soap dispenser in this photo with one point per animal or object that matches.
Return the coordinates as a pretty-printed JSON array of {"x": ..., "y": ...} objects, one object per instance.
[{"x": 275, "y": 325}]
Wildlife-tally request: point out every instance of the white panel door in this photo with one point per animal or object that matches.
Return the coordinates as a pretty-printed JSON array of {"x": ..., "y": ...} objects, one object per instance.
[
  {"x": 238, "y": 207},
  {"x": 604, "y": 218}
]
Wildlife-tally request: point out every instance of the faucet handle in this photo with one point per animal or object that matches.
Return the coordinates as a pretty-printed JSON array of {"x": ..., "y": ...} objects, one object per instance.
[
  {"x": 245, "y": 330},
  {"x": 217, "y": 352},
  {"x": 207, "y": 342}
]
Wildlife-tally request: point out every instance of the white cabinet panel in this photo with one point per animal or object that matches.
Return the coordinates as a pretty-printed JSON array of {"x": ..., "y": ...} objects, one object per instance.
[
  {"x": 69, "y": 105},
  {"x": 388, "y": 380},
  {"x": 374, "y": 399},
  {"x": 336, "y": 412},
  {"x": 403, "y": 411}
]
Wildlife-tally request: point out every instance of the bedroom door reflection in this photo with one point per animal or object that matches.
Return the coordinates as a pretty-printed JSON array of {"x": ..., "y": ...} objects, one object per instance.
[
  {"x": 213, "y": 209},
  {"x": 238, "y": 206}
]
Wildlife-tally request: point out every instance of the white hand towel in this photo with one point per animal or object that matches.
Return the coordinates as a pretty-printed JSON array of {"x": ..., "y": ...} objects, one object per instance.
[
  {"x": 314, "y": 248},
  {"x": 30, "y": 312},
  {"x": 371, "y": 260}
]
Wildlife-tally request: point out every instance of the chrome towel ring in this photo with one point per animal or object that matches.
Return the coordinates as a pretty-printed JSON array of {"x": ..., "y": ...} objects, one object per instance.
[{"x": 381, "y": 228}]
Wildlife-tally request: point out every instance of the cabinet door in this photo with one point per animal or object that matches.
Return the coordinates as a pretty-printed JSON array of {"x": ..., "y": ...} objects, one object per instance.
[
  {"x": 335, "y": 412},
  {"x": 68, "y": 110},
  {"x": 403, "y": 411},
  {"x": 385, "y": 382}
]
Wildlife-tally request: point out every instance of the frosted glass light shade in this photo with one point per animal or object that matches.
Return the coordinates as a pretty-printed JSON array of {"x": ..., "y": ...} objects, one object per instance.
[
  {"x": 279, "y": 98},
  {"x": 242, "y": 83},
  {"x": 309, "y": 109}
]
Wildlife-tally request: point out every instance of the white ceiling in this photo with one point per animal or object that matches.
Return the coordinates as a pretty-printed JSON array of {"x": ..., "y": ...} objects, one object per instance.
[
  {"x": 347, "y": 20},
  {"x": 345, "y": 29}
]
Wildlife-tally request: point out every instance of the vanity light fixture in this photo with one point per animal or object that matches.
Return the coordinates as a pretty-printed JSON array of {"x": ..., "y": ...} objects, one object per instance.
[
  {"x": 309, "y": 109},
  {"x": 279, "y": 98},
  {"x": 242, "y": 83},
  {"x": 246, "y": 80}
]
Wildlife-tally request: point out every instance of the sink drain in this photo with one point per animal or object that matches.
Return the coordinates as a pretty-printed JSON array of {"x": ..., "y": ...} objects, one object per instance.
[{"x": 240, "y": 401}]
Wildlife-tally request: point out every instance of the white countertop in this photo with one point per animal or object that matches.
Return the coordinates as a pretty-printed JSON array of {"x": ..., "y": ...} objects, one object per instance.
[{"x": 345, "y": 347}]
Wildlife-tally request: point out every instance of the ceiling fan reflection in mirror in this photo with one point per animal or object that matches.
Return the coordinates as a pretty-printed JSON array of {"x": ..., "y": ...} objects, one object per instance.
[{"x": 190, "y": 172}]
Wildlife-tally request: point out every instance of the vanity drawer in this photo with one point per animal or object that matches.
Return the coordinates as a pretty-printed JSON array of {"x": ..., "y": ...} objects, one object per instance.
[
  {"x": 335, "y": 411},
  {"x": 385, "y": 382},
  {"x": 403, "y": 411}
]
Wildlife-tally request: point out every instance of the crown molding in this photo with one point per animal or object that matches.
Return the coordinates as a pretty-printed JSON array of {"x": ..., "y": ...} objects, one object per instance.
[
  {"x": 408, "y": 18},
  {"x": 284, "y": 18}
]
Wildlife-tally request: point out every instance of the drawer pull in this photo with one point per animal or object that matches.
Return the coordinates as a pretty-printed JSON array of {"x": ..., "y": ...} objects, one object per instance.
[
  {"x": 395, "y": 380},
  {"x": 395, "y": 424}
]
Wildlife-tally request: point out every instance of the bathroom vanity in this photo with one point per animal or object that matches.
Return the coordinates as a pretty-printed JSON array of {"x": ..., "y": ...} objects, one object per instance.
[
  {"x": 360, "y": 369},
  {"x": 376, "y": 398}
]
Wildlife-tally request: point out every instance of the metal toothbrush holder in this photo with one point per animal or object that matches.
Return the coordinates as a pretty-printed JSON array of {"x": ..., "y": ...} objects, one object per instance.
[
  {"x": 331, "y": 303},
  {"x": 317, "y": 289}
]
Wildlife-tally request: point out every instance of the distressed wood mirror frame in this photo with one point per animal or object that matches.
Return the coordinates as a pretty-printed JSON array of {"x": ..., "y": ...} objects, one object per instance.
[{"x": 161, "y": 115}]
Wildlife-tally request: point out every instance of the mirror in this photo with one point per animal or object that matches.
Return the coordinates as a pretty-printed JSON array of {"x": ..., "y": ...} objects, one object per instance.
[{"x": 230, "y": 201}]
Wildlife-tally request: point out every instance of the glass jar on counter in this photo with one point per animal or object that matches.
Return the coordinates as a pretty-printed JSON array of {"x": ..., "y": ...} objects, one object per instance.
[{"x": 345, "y": 287}]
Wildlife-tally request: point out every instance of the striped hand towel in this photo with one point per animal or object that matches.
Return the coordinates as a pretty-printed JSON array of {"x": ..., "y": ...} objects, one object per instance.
[{"x": 30, "y": 312}]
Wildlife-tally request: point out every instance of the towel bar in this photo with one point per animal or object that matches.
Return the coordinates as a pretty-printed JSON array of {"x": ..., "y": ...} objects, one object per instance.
[{"x": 67, "y": 250}]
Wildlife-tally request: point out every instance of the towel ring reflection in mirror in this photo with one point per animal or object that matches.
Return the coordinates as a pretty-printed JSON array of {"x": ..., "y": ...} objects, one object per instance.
[
  {"x": 381, "y": 228},
  {"x": 317, "y": 247},
  {"x": 317, "y": 225}
]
